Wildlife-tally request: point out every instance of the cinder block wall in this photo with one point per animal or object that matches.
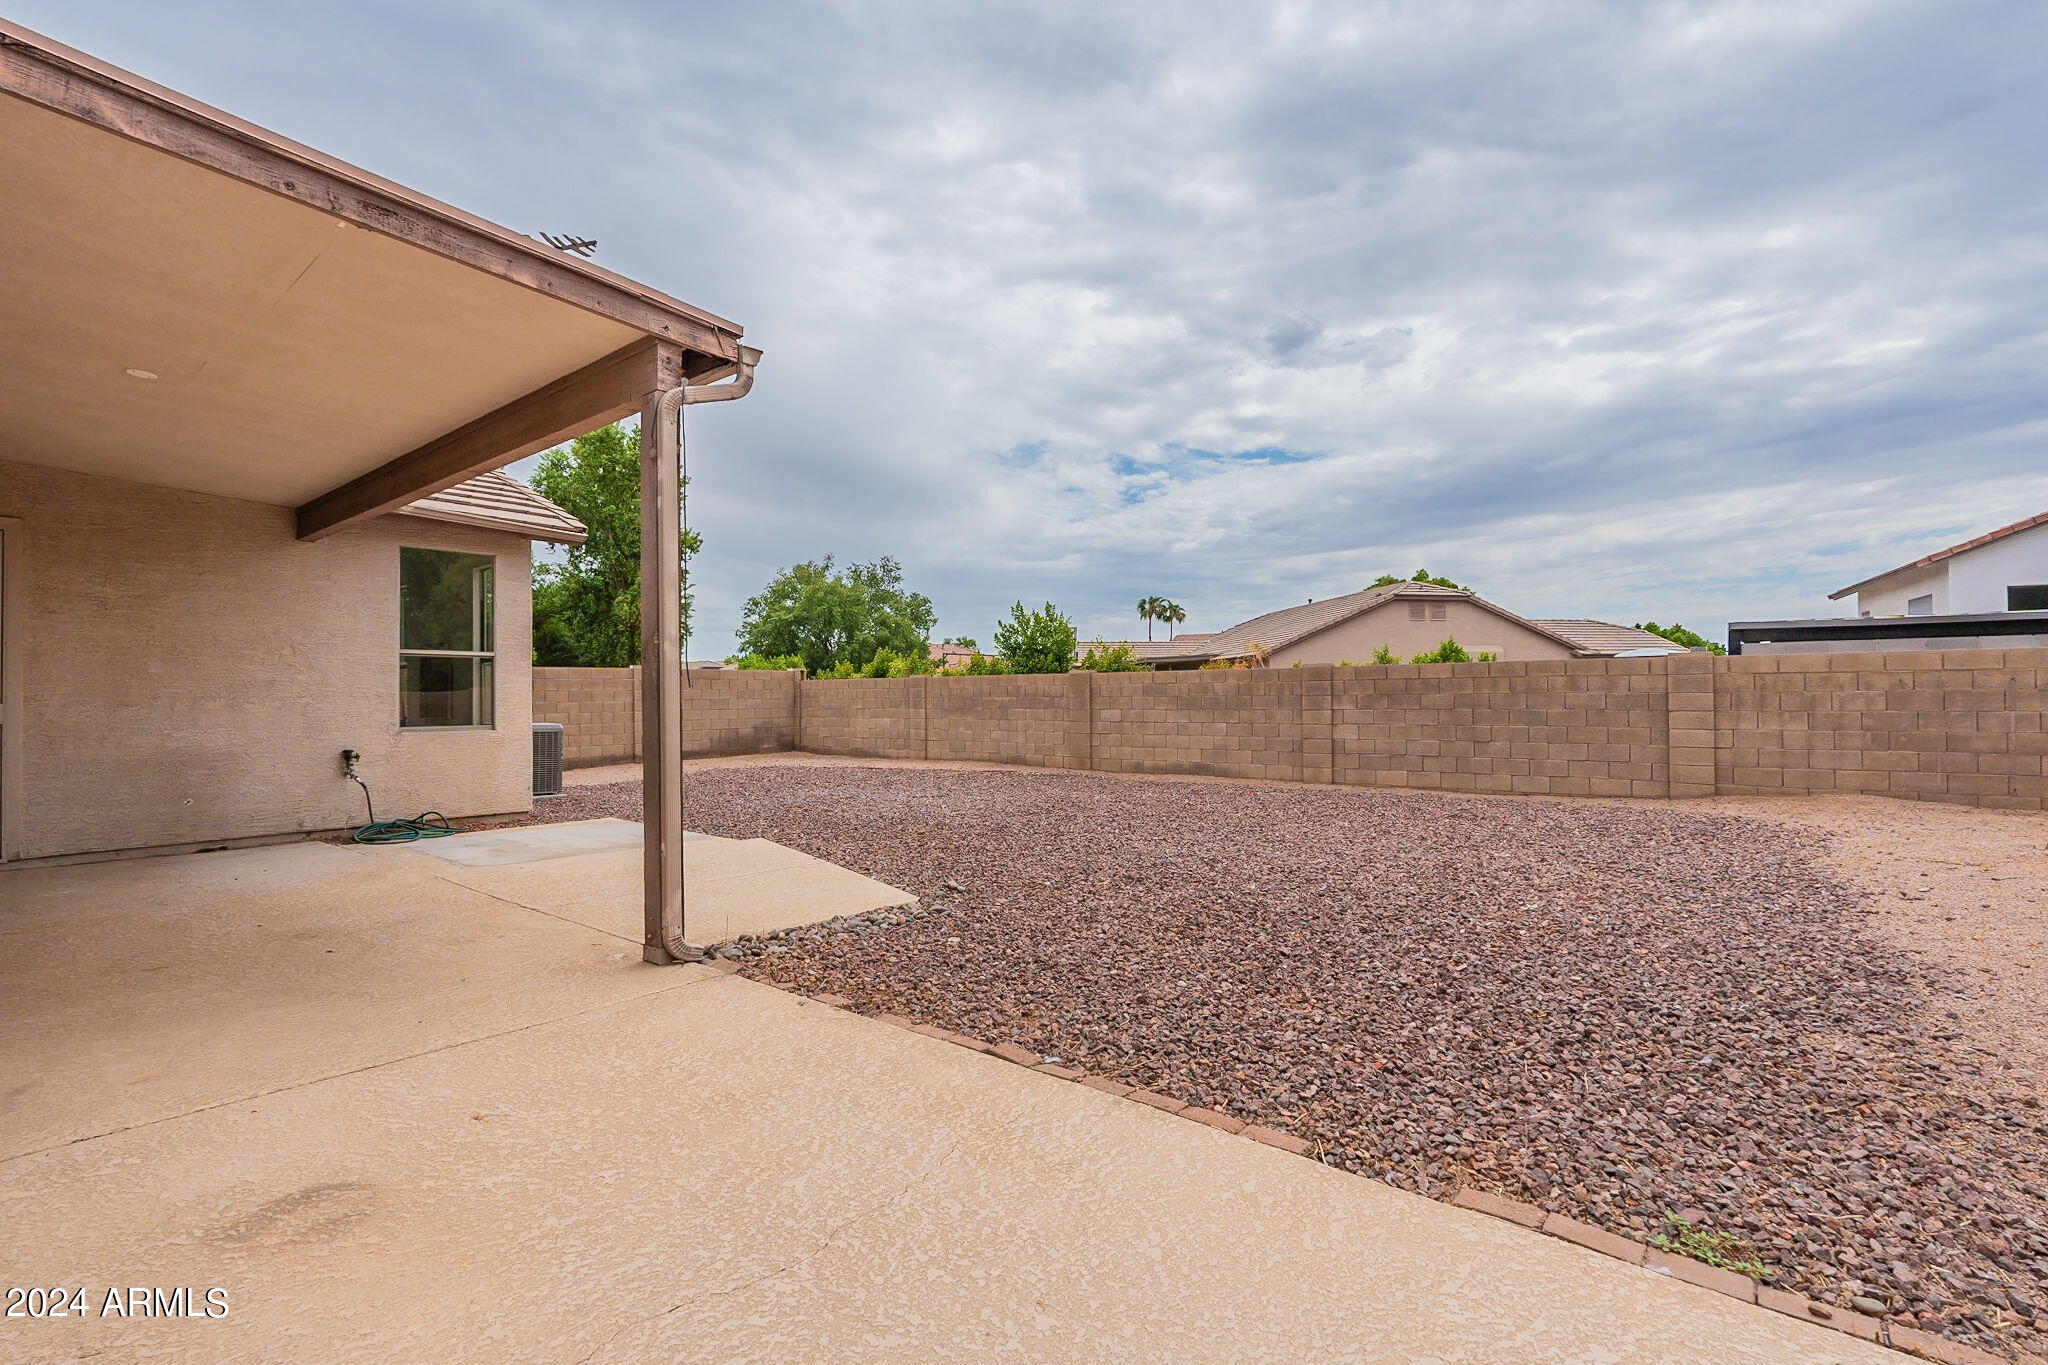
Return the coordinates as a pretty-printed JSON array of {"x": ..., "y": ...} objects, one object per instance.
[
  {"x": 868, "y": 717},
  {"x": 723, "y": 712},
  {"x": 1953, "y": 725},
  {"x": 597, "y": 708},
  {"x": 739, "y": 712},
  {"x": 1216, "y": 724},
  {"x": 1037, "y": 720},
  {"x": 1950, "y": 725},
  {"x": 1577, "y": 727}
]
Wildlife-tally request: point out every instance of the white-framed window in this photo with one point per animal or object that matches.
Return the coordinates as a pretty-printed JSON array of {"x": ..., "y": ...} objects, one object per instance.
[
  {"x": 2027, "y": 597},
  {"x": 447, "y": 659},
  {"x": 1920, "y": 606}
]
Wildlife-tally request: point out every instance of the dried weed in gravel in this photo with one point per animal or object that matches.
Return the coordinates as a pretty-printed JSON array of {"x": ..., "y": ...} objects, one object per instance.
[{"x": 1612, "y": 1011}]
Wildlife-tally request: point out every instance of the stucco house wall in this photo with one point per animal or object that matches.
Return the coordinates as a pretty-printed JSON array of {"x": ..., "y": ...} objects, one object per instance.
[
  {"x": 191, "y": 671},
  {"x": 1889, "y": 597},
  {"x": 1474, "y": 627},
  {"x": 1977, "y": 579}
]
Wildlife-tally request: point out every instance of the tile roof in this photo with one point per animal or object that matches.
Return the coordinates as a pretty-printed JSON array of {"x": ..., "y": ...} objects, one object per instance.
[
  {"x": 2027, "y": 524},
  {"x": 1278, "y": 629},
  {"x": 501, "y": 503},
  {"x": 1144, "y": 649},
  {"x": 1604, "y": 637}
]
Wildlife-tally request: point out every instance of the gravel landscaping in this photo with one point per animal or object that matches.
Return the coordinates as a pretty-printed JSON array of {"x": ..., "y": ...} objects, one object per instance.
[{"x": 1617, "y": 1011}]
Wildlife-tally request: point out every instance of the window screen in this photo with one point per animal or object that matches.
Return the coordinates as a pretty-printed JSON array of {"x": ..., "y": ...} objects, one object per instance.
[{"x": 2027, "y": 597}]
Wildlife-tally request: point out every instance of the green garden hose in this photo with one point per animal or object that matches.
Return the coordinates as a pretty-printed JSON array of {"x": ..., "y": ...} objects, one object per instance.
[
  {"x": 426, "y": 825},
  {"x": 429, "y": 825}
]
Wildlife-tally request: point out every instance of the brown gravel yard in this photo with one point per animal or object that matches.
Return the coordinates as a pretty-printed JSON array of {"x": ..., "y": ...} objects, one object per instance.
[{"x": 1615, "y": 1010}]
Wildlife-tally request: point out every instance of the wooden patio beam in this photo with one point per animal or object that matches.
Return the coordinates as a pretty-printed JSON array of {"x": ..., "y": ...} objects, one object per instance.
[
  {"x": 47, "y": 73},
  {"x": 600, "y": 392}
]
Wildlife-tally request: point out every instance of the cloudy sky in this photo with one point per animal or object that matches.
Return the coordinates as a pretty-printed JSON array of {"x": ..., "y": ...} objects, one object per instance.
[{"x": 1675, "y": 310}]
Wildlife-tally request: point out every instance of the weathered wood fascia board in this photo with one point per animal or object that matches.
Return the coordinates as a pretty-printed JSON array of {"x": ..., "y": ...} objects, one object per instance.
[
  {"x": 600, "y": 392},
  {"x": 47, "y": 73}
]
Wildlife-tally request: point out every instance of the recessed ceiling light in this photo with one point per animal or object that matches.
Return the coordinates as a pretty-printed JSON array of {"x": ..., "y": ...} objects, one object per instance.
[{"x": 140, "y": 374}]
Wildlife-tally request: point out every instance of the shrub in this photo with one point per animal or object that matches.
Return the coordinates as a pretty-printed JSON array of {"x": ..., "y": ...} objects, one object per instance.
[
  {"x": 1101, "y": 658},
  {"x": 886, "y": 663},
  {"x": 1449, "y": 652},
  {"x": 767, "y": 661},
  {"x": 983, "y": 666},
  {"x": 1383, "y": 656}
]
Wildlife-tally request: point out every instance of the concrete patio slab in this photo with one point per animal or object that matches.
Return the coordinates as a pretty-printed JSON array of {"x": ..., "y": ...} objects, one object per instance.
[
  {"x": 540, "y": 1149},
  {"x": 731, "y": 886},
  {"x": 531, "y": 843},
  {"x": 131, "y": 991}
]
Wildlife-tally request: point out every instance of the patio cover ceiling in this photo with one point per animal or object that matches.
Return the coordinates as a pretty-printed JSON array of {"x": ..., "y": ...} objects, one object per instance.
[{"x": 308, "y": 324}]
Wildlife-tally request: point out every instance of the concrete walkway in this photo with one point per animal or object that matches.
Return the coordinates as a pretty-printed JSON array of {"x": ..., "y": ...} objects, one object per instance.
[{"x": 398, "y": 1118}]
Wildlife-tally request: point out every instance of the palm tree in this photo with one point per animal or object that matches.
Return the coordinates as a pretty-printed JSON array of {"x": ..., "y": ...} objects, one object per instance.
[
  {"x": 1149, "y": 610},
  {"x": 1173, "y": 614}
]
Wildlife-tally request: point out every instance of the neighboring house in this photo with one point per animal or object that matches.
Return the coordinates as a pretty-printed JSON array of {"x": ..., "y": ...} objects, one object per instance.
[
  {"x": 953, "y": 656},
  {"x": 1990, "y": 593},
  {"x": 253, "y": 399},
  {"x": 1408, "y": 618},
  {"x": 2003, "y": 570},
  {"x": 1612, "y": 641}
]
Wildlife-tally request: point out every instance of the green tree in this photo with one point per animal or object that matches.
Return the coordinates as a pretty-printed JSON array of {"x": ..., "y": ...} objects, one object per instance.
[
  {"x": 1149, "y": 610},
  {"x": 1679, "y": 635},
  {"x": 1101, "y": 658},
  {"x": 586, "y": 610},
  {"x": 829, "y": 618},
  {"x": 1036, "y": 641},
  {"x": 962, "y": 642},
  {"x": 1419, "y": 576},
  {"x": 1172, "y": 614}
]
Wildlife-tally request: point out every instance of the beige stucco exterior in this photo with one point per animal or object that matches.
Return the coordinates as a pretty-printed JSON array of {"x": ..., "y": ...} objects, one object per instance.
[
  {"x": 191, "y": 672},
  {"x": 1472, "y": 626}
]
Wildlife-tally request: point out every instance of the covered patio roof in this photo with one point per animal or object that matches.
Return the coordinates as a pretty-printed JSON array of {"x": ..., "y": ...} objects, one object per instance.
[{"x": 241, "y": 315}]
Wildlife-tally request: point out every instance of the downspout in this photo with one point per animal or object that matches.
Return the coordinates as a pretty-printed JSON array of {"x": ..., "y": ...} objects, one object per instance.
[{"x": 666, "y": 919}]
